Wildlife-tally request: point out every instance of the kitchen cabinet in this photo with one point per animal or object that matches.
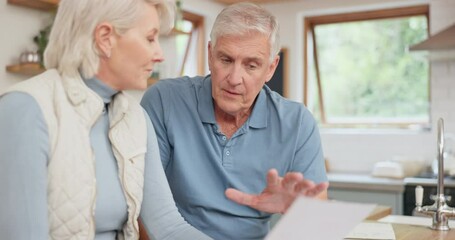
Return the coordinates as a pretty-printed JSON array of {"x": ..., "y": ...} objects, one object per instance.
[
  {"x": 366, "y": 189},
  {"x": 392, "y": 199}
]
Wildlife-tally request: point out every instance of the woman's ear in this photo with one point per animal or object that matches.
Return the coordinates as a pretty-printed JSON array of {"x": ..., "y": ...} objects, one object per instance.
[{"x": 104, "y": 39}]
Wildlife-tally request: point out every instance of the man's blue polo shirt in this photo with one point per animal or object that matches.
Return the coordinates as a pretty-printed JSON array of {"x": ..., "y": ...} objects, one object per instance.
[{"x": 200, "y": 162}]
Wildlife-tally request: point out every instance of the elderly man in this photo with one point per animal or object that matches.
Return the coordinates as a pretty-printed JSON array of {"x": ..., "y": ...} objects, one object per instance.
[{"x": 226, "y": 137}]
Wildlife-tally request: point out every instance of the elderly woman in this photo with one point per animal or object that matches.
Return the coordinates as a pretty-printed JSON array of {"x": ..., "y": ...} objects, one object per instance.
[{"x": 78, "y": 157}]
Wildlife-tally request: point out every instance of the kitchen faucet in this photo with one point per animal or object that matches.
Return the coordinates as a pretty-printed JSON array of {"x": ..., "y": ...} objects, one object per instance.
[{"x": 440, "y": 211}]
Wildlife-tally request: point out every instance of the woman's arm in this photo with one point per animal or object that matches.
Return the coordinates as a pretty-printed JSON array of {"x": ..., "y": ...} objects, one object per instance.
[
  {"x": 23, "y": 169},
  {"x": 159, "y": 213}
]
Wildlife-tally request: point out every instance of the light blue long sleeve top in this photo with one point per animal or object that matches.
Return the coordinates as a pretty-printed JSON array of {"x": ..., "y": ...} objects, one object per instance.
[{"x": 24, "y": 156}]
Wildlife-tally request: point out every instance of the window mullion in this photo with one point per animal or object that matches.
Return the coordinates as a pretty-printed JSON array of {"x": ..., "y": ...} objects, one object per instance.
[{"x": 318, "y": 76}]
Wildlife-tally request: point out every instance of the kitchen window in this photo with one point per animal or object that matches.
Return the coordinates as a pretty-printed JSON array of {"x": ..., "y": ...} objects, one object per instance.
[
  {"x": 190, "y": 45},
  {"x": 184, "y": 49},
  {"x": 359, "y": 72}
]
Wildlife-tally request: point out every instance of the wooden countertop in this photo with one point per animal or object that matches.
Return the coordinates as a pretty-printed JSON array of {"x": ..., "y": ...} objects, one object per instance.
[
  {"x": 412, "y": 232},
  {"x": 417, "y": 228},
  {"x": 379, "y": 212}
]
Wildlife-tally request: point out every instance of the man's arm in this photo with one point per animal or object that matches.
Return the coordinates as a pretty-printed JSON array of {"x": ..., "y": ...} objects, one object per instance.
[{"x": 280, "y": 192}]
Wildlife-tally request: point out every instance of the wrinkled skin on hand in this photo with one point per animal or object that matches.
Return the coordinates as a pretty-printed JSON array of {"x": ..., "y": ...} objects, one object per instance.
[{"x": 279, "y": 193}]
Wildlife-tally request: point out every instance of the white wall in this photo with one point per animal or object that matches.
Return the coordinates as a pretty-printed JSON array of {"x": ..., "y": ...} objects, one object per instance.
[
  {"x": 358, "y": 151},
  {"x": 170, "y": 68},
  {"x": 18, "y": 26},
  {"x": 208, "y": 10},
  {"x": 352, "y": 152}
]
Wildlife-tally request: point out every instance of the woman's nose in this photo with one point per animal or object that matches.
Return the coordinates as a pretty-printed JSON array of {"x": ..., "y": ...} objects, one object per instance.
[{"x": 159, "y": 56}]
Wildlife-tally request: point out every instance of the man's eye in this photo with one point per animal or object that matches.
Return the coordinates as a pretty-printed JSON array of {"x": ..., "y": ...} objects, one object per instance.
[
  {"x": 252, "y": 66},
  {"x": 226, "y": 60}
]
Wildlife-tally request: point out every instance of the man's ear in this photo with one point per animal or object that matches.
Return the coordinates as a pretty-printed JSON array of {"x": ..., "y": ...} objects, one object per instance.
[
  {"x": 104, "y": 39},
  {"x": 272, "y": 67}
]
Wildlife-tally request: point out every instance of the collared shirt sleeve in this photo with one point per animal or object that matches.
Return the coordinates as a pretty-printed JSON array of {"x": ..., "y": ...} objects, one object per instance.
[
  {"x": 153, "y": 103},
  {"x": 309, "y": 157},
  {"x": 159, "y": 213},
  {"x": 24, "y": 150}
]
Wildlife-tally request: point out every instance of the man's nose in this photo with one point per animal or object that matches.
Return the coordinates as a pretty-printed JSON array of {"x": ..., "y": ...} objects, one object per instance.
[{"x": 236, "y": 75}]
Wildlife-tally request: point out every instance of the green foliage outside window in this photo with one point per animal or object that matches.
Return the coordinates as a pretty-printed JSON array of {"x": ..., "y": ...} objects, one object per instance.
[{"x": 369, "y": 76}]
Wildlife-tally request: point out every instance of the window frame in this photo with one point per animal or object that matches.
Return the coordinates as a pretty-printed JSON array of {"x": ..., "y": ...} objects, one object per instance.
[
  {"x": 309, "y": 24},
  {"x": 199, "y": 28}
]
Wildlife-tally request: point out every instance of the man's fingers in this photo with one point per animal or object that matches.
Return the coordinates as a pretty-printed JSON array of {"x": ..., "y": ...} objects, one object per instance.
[
  {"x": 316, "y": 190},
  {"x": 239, "y": 197},
  {"x": 273, "y": 179},
  {"x": 291, "y": 180},
  {"x": 304, "y": 185}
]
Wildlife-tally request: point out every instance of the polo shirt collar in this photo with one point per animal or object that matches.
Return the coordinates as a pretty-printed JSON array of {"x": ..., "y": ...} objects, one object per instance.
[
  {"x": 205, "y": 103},
  {"x": 257, "y": 119}
]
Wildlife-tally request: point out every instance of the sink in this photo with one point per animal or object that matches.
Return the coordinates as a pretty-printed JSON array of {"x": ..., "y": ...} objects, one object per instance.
[{"x": 411, "y": 220}]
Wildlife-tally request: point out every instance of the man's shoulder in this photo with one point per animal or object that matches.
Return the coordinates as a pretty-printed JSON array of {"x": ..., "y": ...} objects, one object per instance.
[
  {"x": 178, "y": 83},
  {"x": 282, "y": 104},
  {"x": 173, "y": 90}
]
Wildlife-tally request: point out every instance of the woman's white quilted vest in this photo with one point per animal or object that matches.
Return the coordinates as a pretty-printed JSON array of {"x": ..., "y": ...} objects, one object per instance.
[{"x": 70, "y": 109}]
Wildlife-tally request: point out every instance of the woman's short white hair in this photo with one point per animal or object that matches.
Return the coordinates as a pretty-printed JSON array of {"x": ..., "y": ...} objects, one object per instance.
[
  {"x": 243, "y": 18},
  {"x": 71, "y": 48}
]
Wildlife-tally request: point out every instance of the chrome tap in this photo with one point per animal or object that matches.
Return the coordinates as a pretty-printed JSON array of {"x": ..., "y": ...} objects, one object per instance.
[{"x": 440, "y": 211}]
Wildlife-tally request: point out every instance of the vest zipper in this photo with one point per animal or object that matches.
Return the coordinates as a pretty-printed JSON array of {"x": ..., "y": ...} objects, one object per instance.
[{"x": 125, "y": 189}]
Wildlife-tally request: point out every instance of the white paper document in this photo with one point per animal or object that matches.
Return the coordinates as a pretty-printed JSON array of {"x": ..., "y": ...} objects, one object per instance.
[
  {"x": 374, "y": 231},
  {"x": 311, "y": 219}
]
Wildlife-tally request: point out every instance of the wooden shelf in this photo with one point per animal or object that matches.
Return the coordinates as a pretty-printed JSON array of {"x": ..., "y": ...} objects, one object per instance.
[
  {"x": 228, "y": 2},
  {"x": 151, "y": 81},
  {"x": 45, "y": 5},
  {"x": 29, "y": 69}
]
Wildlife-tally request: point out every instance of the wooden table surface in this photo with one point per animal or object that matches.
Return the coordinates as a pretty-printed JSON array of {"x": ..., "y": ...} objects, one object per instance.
[
  {"x": 379, "y": 212},
  {"x": 413, "y": 232}
]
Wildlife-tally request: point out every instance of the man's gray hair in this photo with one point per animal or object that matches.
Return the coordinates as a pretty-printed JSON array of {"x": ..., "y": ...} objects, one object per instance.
[
  {"x": 243, "y": 18},
  {"x": 71, "y": 48}
]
